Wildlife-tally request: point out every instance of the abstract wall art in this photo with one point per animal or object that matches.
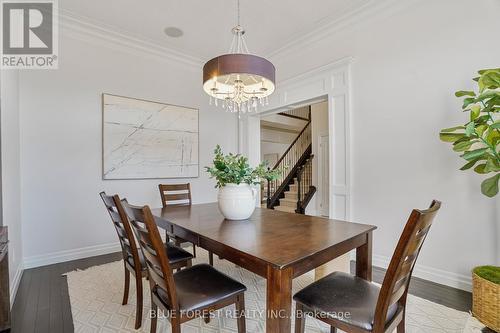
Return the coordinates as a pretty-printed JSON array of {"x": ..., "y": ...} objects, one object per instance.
[{"x": 144, "y": 139}]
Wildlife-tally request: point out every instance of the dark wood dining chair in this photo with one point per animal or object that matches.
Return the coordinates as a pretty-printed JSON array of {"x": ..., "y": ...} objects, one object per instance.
[
  {"x": 133, "y": 260},
  {"x": 189, "y": 293},
  {"x": 355, "y": 305},
  {"x": 179, "y": 195}
]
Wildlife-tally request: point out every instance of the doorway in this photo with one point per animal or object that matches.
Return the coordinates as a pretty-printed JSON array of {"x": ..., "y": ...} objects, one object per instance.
[
  {"x": 323, "y": 174},
  {"x": 330, "y": 83}
]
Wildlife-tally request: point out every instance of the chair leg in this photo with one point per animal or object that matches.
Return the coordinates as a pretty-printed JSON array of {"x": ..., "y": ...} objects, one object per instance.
[
  {"x": 189, "y": 263},
  {"x": 240, "y": 313},
  {"x": 176, "y": 325},
  {"x": 333, "y": 329},
  {"x": 139, "y": 301},
  {"x": 127, "y": 285},
  {"x": 194, "y": 250},
  {"x": 154, "y": 316},
  {"x": 211, "y": 258},
  {"x": 401, "y": 326},
  {"x": 300, "y": 319}
]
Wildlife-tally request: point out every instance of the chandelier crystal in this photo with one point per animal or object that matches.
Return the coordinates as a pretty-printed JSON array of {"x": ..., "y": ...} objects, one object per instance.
[{"x": 239, "y": 81}]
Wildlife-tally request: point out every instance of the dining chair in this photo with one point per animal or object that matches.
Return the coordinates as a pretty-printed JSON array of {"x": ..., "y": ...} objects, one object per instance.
[
  {"x": 179, "y": 195},
  {"x": 133, "y": 260},
  {"x": 355, "y": 305},
  {"x": 187, "y": 294}
]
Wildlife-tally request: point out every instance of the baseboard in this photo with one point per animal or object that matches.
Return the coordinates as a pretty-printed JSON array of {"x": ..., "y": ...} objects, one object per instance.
[
  {"x": 15, "y": 283},
  {"x": 68, "y": 255},
  {"x": 450, "y": 279},
  {"x": 440, "y": 276}
]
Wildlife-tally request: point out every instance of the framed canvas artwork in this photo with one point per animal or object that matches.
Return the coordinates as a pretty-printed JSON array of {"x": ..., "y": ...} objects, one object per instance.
[{"x": 144, "y": 139}]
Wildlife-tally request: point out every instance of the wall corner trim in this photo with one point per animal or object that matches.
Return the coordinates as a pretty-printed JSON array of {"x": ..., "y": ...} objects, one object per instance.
[{"x": 15, "y": 283}]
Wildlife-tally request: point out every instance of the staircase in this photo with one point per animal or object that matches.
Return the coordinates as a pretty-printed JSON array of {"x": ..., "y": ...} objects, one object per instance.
[{"x": 293, "y": 190}]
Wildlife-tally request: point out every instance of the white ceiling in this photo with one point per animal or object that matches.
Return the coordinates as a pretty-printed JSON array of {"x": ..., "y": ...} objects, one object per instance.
[{"x": 270, "y": 24}]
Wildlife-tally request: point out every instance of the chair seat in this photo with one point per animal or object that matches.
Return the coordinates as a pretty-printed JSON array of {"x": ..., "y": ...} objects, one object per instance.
[
  {"x": 338, "y": 294},
  {"x": 200, "y": 286},
  {"x": 175, "y": 254}
]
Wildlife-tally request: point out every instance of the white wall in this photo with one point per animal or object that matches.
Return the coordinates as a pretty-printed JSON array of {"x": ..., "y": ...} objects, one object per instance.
[
  {"x": 319, "y": 126},
  {"x": 63, "y": 216},
  {"x": 407, "y": 65},
  {"x": 11, "y": 175},
  {"x": 275, "y": 141}
]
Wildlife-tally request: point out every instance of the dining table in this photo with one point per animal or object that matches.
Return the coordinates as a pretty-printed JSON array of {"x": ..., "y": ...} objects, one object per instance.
[{"x": 275, "y": 245}]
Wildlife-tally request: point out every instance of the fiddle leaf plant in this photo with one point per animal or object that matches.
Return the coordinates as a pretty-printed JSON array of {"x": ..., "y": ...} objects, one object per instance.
[
  {"x": 478, "y": 140},
  {"x": 235, "y": 169}
]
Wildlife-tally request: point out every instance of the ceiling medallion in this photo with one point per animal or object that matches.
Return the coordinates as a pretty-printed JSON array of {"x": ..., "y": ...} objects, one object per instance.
[{"x": 239, "y": 81}]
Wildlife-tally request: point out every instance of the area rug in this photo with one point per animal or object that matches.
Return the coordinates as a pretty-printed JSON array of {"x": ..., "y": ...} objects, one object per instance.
[{"x": 96, "y": 294}]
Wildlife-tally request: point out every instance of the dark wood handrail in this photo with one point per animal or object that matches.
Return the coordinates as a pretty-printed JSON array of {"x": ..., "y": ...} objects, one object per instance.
[
  {"x": 293, "y": 172},
  {"x": 291, "y": 145},
  {"x": 303, "y": 167},
  {"x": 292, "y": 116},
  {"x": 307, "y": 197}
]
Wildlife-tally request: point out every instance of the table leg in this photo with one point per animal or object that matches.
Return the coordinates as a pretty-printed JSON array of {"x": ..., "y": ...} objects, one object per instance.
[
  {"x": 279, "y": 300},
  {"x": 364, "y": 259}
]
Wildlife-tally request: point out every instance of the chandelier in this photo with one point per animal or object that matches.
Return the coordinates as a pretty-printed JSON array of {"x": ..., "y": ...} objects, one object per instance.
[{"x": 239, "y": 81}]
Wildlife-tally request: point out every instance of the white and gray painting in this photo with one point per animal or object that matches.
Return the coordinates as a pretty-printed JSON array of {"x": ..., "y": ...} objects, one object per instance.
[{"x": 143, "y": 139}]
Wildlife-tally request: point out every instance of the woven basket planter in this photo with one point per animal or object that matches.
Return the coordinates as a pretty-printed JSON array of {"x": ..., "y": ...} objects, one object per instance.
[{"x": 486, "y": 301}]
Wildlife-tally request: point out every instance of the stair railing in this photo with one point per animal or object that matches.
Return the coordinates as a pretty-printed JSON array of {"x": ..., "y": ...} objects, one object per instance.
[
  {"x": 303, "y": 113},
  {"x": 305, "y": 189},
  {"x": 288, "y": 165}
]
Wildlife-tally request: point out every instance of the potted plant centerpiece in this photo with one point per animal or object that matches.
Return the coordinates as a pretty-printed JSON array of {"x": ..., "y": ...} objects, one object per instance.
[{"x": 235, "y": 178}]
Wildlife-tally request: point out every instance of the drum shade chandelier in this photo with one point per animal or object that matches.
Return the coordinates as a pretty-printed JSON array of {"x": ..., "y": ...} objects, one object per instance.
[{"x": 239, "y": 81}]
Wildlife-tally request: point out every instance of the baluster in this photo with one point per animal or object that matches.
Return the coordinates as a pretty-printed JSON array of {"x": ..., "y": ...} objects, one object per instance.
[
  {"x": 268, "y": 192},
  {"x": 298, "y": 190}
]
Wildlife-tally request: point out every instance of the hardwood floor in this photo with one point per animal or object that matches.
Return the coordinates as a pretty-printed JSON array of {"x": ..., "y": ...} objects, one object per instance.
[
  {"x": 42, "y": 301},
  {"x": 437, "y": 293}
]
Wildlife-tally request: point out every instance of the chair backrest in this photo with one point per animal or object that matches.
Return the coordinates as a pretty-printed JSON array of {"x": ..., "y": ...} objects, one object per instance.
[
  {"x": 175, "y": 194},
  {"x": 122, "y": 226},
  {"x": 153, "y": 249},
  {"x": 397, "y": 278}
]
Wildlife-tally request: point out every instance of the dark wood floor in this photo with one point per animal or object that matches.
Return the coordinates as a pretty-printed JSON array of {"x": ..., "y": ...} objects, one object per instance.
[{"x": 42, "y": 301}]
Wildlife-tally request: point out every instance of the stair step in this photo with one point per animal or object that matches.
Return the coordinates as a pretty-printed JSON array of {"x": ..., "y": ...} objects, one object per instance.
[
  {"x": 291, "y": 195},
  {"x": 285, "y": 209},
  {"x": 288, "y": 202}
]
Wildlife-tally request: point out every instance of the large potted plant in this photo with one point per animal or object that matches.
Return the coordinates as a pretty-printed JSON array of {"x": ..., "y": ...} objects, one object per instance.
[
  {"x": 478, "y": 140},
  {"x": 478, "y": 143},
  {"x": 235, "y": 178}
]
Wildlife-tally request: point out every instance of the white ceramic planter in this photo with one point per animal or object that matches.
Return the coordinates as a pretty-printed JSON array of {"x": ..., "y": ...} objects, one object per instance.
[{"x": 237, "y": 201}]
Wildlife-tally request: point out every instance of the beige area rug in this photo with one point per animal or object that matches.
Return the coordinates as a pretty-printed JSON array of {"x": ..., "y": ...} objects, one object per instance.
[{"x": 96, "y": 295}]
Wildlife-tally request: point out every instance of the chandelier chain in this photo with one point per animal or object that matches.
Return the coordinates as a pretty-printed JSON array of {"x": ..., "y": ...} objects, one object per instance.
[{"x": 238, "y": 15}]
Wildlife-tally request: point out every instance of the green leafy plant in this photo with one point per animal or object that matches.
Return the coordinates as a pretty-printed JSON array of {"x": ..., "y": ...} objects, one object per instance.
[
  {"x": 235, "y": 169},
  {"x": 478, "y": 141},
  {"x": 490, "y": 273}
]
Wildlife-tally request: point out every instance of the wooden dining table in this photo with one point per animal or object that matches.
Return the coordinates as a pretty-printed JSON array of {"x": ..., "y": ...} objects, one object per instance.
[{"x": 276, "y": 245}]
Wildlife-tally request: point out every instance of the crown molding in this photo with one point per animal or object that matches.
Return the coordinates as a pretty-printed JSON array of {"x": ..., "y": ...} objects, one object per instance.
[
  {"x": 364, "y": 14},
  {"x": 81, "y": 28},
  {"x": 330, "y": 67}
]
